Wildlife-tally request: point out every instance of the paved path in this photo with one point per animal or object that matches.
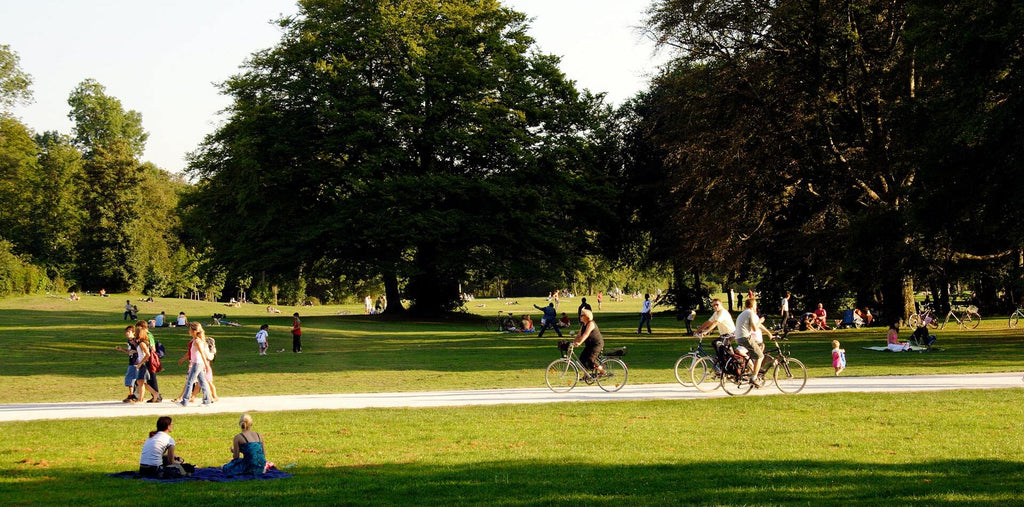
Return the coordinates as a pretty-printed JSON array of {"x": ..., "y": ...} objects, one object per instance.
[{"x": 74, "y": 410}]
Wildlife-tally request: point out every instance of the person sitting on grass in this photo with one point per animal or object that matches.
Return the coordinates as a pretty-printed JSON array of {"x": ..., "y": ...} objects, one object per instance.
[
  {"x": 893, "y": 339},
  {"x": 158, "y": 451},
  {"x": 528, "y": 324},
  {"x": 564, "y": 321},
  {"x": 250, "y": 445}
]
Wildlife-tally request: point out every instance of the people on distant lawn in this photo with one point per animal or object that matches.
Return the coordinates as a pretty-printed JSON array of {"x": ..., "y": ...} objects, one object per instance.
[
  {"x": 128, "y": 310},
  {"x": 182, "y": 319},
  {"x": 645, "y": 315},
  {"x": 297, "y": 333},
  {"x": 564, "y": 321},
  {"x": 160, "y": 320},
  {"x": 549, "y": 320},
  {"x": 820, "y": 317},
  {"x": 367, "y": 305},
  {"x": 261, "y": 339},
  {"x": 892, "y": 339},
  {"x": 527, "y": 323}
]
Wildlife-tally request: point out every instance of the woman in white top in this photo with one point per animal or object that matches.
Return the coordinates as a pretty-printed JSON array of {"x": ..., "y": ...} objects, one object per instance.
[
  {"x": 158, "y": 450},
  {"x": 182, "y": 319}
]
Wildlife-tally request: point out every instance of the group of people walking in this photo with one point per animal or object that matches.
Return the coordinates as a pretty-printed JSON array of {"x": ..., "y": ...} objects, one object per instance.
[{"x": 144, "y": 363}]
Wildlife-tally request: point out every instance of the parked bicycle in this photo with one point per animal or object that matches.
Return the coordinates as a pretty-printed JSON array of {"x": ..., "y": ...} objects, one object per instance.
[
  {"x": 788, "y": 373},
  {"x": 1016, "y": 317},
  {"x": 685, "y": 363},
  {"x": 564, "y": 373},
  {"x": 503, "y": 322},
  {"x": 967, "y": 319},
  {"x": 926, "y": 317}
]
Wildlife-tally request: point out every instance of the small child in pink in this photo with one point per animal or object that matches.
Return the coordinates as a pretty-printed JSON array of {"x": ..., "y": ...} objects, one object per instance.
[{"x": 838, "y": 357}]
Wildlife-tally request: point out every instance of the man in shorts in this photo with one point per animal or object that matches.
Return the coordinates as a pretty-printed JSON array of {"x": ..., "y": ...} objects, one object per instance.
[{"x": 751, "y": 333}]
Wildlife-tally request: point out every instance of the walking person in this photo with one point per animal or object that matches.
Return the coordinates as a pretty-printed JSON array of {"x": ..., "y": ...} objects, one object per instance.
[
  {"x": 784, "y": 311},
  {"x": 147, "y": 344},
  {"x": 645, "y": 315},
  {"x": 549, "y": 321},
  {"x": 199, "y": 361},
  {"x": 297, "y": 332}
]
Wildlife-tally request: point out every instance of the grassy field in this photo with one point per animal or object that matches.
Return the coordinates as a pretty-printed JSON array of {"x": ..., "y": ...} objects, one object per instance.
[{"x": 900, "y": 448}]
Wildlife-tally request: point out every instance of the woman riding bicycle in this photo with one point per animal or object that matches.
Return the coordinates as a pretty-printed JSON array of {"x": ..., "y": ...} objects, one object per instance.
[{"x": 589, "y": 335}]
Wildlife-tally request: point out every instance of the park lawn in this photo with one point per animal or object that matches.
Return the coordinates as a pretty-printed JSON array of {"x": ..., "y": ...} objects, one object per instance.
[
  {"x": 58, "y": 350},
  {"x": 932, "y": 448}
]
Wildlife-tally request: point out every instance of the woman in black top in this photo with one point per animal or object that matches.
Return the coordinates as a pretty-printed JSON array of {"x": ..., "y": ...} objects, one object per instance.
[{"x": 590, "y": 337}]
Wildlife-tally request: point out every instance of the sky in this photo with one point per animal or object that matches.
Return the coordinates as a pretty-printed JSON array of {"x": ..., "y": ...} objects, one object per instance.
[{"x": 165, "y": 58}]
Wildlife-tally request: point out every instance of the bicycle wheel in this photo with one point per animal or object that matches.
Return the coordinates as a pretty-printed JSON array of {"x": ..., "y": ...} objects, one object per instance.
[
  {"x": 562, "y": 375},
  {"x": 732, "y": 383},
  {"x": 492, "y": 325},
  {"x": 705, "y": 375},
  {"x": 682, "y": 369},
  {"x": 914, "y": 321},
  {"x": 972, "y": 320},
  {"x": 790, "y": 376},
  {"x": 1014, "y": 319},
  {"x": 614, "y": 376}
]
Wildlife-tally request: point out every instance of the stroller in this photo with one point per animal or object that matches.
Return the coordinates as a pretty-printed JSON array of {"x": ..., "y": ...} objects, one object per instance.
[{"x": 921, "y": 337}]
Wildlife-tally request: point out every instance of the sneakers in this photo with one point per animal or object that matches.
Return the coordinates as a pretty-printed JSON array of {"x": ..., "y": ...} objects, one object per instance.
[{"x": 129, "y": 399}]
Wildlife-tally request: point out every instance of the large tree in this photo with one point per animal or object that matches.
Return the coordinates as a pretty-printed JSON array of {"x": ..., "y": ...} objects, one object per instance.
[
  {"x": 111, "y": 140},
  {"x": 406, "y": 139},
  {"x": 15, "y": 84}
]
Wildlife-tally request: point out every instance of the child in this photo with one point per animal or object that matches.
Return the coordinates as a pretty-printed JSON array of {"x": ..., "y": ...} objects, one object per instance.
[
  {"x": 893, "y": 339},
  {"x": 838, "y": 357},
  {"x": 133, "y": 354},
  {"x": 261, "y": 339}
]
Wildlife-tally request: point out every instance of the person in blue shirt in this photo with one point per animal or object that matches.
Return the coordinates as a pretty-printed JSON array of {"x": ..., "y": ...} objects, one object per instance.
[{"x": 550, "y": 320}]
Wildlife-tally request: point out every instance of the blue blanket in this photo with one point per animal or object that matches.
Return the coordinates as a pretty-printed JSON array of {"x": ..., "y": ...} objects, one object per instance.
[{"x": 212, "y": 474}]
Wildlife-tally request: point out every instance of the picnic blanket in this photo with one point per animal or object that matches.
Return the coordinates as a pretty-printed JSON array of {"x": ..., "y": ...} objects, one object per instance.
[
  {"x": 913, "y": 348},
  {"x": 212, "y": 474}
]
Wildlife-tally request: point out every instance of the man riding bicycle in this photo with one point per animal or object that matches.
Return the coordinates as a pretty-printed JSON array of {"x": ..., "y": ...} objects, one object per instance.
[
  {"x": 721, "y": 318},
  {"x": 751, "y": 333}
]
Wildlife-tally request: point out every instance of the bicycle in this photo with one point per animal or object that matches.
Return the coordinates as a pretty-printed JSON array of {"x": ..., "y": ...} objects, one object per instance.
[
  {"x": 564, "y": 373},
  {"x": 706, "y": 371},
  {"x": 926, "y": 317},
  {"x": 684, "y": 365},
  {"x": 788, "y": 373},
  {"x": 503, "y": 322},
  {"x": 969, "y": 319},
  {"x": 1015, "y": 317}
]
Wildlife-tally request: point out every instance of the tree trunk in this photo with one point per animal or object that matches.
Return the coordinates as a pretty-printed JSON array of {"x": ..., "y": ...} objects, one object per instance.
[
  {"x": 899, "y": 299},
  {"x": 392, "y": 294}
]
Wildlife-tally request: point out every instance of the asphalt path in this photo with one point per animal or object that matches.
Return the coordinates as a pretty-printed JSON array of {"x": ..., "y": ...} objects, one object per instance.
[{"x": 99, "y": 409}]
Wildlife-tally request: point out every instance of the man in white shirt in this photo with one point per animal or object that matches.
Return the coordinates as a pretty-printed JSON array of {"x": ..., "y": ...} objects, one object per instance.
[
  {"x": 720, "y": 317},
  {"x": 751, "y": 333},
  {"x": 784, "y": 311},
  {"x": 645, "y": 315},
  {"x": 158, "y": 450}
]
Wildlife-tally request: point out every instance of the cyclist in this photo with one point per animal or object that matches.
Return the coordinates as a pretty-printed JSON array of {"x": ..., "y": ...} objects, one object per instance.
[
  {"x": 721, "y": 318},
  {"x": 591, "y": 336},
  {"x": 751, "y": 333}
]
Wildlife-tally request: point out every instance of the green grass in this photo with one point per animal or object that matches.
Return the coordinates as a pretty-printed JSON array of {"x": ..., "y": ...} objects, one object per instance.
[
  {"x": 925, "y": 448},
  {"x": 61, "y": 351},
  {"x": 899, "y": 448}
]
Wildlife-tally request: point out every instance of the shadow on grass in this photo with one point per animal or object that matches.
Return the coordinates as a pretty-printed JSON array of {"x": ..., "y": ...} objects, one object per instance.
[{"x": 518, "y": 482}]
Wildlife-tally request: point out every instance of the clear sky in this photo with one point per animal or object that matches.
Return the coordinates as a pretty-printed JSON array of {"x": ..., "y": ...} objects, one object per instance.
[{"x": 163, "y": 58}]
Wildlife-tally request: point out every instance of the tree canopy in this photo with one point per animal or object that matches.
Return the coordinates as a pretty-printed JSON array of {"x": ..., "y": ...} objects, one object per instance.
[{"x": 400, "y": 138}]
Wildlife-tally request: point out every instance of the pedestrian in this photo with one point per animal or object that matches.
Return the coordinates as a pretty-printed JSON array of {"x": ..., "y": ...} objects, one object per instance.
[
  {"x": 549, "y": 320},
  {"x": 784, "y": 311},
  {"x": 133, "y": 356},
  {"x": 598, "y": 301},
  {"x": 198, "y": 357},
  {"x": 367, "y": 305},
  {"x": 297, "y": 332},
  {"x": 838, "y": 357},
  {"x": 645, "y": 315},
  {"x": 128, "y": 310},
  {"x": 261, "y": 339},
  {"x": 584, "y": 305},
  {"x": 689, "y": 321}
]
